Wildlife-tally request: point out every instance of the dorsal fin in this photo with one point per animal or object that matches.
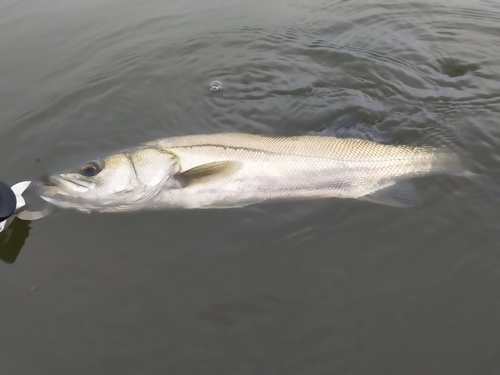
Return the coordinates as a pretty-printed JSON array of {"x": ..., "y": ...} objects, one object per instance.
[
  {"x": 206, "y": 172},
  {"x": 351, "y": 126},
  {"x": 338, "y": 125}
]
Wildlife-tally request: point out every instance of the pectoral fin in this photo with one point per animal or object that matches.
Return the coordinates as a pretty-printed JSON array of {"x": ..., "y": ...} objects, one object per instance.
[
  {"x": 207, "y": 172},
  {"x": 400, "y": 194}
]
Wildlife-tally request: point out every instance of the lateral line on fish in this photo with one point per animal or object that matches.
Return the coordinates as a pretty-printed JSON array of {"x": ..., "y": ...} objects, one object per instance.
[{"x": 287, "y": 154}]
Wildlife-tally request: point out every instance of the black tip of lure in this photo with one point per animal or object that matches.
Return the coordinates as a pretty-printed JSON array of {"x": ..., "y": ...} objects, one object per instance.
[{"x": 8, "y": 201}]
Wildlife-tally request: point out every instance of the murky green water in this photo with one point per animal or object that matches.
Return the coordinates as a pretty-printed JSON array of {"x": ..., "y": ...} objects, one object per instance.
[{"x": 322, "y": 287}]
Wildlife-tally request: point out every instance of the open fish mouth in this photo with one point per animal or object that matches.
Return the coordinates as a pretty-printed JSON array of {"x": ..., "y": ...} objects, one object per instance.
[
  {"x": 63, "y": 191},
  {"x": 69, "y": 185},
  {"x": 64, "y": 187}
]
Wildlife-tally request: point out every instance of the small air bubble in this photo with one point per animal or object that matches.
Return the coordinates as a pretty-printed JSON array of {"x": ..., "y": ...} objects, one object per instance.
[{"x": 215, "y": 86}]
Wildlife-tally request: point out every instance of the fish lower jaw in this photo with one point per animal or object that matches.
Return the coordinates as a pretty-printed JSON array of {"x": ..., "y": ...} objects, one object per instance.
[{"x": 70, "y": 185}]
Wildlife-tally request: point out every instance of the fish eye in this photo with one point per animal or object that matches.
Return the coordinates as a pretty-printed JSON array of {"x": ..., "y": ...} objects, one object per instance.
[{"x": 91, "y": 169}]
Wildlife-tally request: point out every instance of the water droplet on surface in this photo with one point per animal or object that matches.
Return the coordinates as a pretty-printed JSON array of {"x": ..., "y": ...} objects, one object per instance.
[{"x": 215, "y": 86}]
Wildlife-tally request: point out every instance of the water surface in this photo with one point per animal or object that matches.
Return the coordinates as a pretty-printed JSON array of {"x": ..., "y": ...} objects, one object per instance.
[{"x": 322, "y": 287}]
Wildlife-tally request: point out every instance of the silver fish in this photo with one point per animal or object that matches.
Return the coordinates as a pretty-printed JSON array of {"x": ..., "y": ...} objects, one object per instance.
[{"x": 235, "y": 170}]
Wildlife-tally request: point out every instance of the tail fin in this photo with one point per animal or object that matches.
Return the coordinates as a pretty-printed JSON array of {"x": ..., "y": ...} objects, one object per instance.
[{"x": 448, "y": 161}]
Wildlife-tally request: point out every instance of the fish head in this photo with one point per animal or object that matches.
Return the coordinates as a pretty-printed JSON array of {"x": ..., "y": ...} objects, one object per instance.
[{"x": 121, "y": 182}]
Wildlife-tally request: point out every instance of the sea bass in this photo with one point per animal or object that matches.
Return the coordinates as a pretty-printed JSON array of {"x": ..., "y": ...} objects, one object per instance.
[{"x": 235, "y": 170}]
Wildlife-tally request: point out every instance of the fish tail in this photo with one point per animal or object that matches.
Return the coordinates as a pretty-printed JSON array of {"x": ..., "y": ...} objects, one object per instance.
[{"x": 448, "y": 161}]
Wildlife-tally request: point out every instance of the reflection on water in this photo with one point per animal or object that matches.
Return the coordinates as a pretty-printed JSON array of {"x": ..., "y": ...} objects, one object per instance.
[{"x": 12, "y": 240}]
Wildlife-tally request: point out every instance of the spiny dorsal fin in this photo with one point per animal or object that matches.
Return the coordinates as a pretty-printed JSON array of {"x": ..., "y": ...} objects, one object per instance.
[
  {"x": 400, "y": 194},
  {"x": 205, "y": 172}
]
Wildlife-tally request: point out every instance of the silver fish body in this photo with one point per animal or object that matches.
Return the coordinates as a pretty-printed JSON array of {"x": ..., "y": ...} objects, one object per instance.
[{"x": 234, "y": 170}]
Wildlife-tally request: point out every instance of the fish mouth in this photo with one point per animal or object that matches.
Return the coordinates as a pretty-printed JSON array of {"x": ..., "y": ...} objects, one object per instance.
[
  {"x": 63, "y": 191},
  {"x": 69, "y": 185},
  {"x": 63, "y": 186}
]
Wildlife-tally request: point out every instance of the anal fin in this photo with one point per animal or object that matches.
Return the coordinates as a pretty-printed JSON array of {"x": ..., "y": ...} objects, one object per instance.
[{"x": 400, "y": 194}]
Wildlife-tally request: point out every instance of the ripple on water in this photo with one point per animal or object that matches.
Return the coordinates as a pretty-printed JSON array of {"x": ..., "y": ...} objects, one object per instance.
[
  {"x": 365, "y": 281},
  {"x": 381, "y": 62}
]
